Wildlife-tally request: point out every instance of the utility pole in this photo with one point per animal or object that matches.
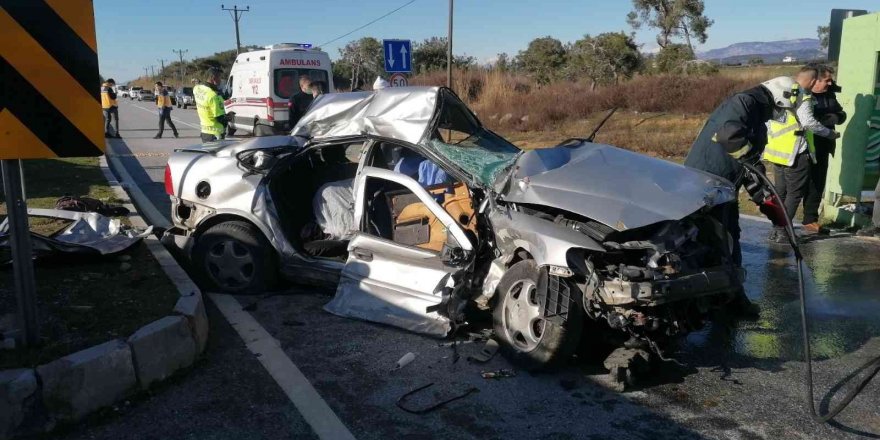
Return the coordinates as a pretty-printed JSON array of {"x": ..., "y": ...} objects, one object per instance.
[
  {"x": 236, "y": 16},
  {"x": 146, "y": 72},
  {"x": 449, "y": 49},
  {"x": 153, "y": 71},
  {"x": 162, "y": 62},
  {"x": 181, "y": 70}
]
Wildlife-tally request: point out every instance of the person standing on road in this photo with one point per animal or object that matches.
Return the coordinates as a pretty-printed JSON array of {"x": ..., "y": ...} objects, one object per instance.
[
  {"x": 300, "y": 101},
  {"x": 317, "y": 89},
  {"x": 110, "y": 108},
  {"x": 209, "y": 105},
  {"x": 736, "y": 133},
  {"x": 790, "y": 146},
  {"x": 829, "y": 113},
  {"x": 163, "y": 101}
]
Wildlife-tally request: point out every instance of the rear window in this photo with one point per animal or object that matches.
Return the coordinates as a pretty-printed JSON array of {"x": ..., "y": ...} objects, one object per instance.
[
  {"x": 187, "y": 90},
  {"x": 287, "y": 80},
  {"x": 137, "y": 88}
]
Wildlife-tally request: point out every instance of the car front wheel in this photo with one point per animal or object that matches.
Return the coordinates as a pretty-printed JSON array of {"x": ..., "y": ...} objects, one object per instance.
[
  {"x": 234, "y": 257},
  {"x": 527, "y": 337}
]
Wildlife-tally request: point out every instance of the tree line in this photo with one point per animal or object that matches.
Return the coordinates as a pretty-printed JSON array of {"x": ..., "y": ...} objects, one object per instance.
[{"x": 606, "y": 58}]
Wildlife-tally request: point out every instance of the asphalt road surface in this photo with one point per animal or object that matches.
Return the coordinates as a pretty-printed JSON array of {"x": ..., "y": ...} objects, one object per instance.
[{"x": 741, "y": 380}]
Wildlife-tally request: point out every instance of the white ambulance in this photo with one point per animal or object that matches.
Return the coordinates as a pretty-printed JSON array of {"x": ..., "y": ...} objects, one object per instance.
[{"x": 262, "y": 81}]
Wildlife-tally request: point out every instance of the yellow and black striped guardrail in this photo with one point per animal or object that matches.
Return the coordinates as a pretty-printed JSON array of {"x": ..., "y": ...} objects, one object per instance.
[{"x": 49, "y": 84}]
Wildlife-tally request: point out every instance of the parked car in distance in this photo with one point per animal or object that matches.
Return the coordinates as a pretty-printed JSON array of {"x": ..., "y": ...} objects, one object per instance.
[
  {"x": 122, "y": 91},
  {"x": 146, "y": 95},
  {"x": 184, "y": 97},
  {"x": 134, "y": 92}
]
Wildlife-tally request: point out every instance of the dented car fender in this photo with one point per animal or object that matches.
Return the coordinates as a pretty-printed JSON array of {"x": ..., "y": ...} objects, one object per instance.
[{"x": 547, "y": 242}]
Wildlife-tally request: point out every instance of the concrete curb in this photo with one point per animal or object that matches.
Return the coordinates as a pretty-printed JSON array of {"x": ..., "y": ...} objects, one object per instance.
[{"x": 32, "y": 401}]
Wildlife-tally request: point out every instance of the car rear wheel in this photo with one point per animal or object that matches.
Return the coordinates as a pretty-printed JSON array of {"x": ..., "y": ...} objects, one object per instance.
[
  {"x": 234, "y": 257},
  {"x": 527, "y": 338}
]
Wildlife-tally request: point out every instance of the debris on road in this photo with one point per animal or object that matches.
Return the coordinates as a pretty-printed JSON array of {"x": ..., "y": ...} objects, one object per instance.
[
  {"x": 89, "y": 234},
  {"x": 401, "y": 402},
  {"x": 498, "y": 374},
  {"x": 404, "y": 361},
  {"x": 89, "y": 204},
  {"x": 486, "y": 353}
]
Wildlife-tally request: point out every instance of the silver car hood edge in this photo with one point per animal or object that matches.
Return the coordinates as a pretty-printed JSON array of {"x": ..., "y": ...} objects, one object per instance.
[{"x": 620, "y": 188}]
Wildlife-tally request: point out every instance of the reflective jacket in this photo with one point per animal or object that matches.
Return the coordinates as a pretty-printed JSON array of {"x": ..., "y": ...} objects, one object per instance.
[
  {"x": 163, "y": 99},
  {"x": 108, "y": 96},
  {"x": 209, "y": 105},
  {"x": 737, "y": 123},
  {"x": 784, "y": 140}
]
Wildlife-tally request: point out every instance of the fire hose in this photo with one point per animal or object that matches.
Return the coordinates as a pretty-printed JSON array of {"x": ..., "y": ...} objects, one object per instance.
[{"x": 764, "y": 194}]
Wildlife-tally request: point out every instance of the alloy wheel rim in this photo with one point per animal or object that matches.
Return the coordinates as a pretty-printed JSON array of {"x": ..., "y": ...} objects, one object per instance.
[
  {"x": 230, "y": 264},
  {"x": 522, "y": 319}
]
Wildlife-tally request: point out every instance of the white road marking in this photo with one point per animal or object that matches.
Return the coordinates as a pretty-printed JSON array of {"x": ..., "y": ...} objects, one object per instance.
[
  {"x": 308, "y": 402},
  {"x": 316, "y": 412},
  {"x": 153, "y": 111}
]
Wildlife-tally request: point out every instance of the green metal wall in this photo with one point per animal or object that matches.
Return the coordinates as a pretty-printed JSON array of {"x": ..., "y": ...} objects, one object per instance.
[{"x": 854, "y": 167}]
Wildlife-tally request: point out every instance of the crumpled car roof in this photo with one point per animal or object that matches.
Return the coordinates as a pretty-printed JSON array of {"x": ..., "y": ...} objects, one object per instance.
[{"x": 402, "y": 113}]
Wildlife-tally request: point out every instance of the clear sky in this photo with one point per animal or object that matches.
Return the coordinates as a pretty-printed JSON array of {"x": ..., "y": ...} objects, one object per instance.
[{"x": 133, "y": 34}]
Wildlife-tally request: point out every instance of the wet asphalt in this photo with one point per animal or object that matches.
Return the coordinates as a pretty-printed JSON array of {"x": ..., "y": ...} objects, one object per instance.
[{"x": 733, "y": 380}]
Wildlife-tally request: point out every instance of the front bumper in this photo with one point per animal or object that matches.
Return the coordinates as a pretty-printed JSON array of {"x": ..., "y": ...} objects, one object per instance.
[{"x": 711, "y": 281}]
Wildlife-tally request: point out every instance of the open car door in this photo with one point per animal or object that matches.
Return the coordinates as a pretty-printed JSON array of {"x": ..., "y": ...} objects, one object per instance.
[{"x": 404, "y": 260}]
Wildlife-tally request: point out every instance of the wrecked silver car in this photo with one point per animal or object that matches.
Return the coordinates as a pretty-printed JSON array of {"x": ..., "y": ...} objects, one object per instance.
[{"x": 414, "y": 211}]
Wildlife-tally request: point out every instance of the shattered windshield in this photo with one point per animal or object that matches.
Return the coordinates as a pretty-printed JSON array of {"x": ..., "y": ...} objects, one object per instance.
[{"x": 460, "y": 138}]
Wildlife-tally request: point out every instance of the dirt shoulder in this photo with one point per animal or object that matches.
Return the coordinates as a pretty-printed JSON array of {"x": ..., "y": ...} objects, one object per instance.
[{"x": 82, "y": 302}]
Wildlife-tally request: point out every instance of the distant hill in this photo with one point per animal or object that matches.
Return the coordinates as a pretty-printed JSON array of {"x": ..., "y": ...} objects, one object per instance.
[{"x": 770, "y": 51}]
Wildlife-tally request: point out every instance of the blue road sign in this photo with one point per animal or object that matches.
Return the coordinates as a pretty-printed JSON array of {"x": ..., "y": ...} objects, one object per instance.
[{"x": 398, "y": 56}]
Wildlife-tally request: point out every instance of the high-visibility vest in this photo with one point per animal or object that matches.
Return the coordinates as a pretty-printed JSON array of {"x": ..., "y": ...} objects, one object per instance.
[
  {"x": 209, "y": 105},
  {"x": 163, "y": 99},
  {"x": 106, "y": 100},
  {"x": 782, "y": 140}
]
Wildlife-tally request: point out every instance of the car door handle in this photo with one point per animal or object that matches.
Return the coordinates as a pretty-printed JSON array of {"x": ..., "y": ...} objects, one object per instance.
[{"x": 362, "y": 254}]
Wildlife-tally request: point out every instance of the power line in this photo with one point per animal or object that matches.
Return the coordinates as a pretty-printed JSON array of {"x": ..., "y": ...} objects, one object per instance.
[{"x": 347, "y": 34}]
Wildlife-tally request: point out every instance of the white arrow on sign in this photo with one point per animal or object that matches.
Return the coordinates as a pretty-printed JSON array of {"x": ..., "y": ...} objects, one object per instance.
[
  {"x": 403, "y": 55},
  {"x": 390, "y": 56}
]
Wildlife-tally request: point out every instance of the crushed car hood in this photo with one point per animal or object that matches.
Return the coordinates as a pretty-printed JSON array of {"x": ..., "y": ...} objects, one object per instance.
[{"x": 619, "y": 188}]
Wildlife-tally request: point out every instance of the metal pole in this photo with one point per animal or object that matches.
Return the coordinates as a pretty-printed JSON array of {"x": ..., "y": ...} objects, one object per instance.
[
  {"x": 20, "y": 243},
  {"x": 162, "y": 62},
  {"x": 236, "y": 16},
  {"x": 449, "y": 49},
  {"x": 21, "y": 173},
  {"x": 237, "y": 37},
  {"x": 180, "y": 70}
]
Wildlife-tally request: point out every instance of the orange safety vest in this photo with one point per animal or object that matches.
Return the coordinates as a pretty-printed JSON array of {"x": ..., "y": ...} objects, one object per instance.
[
  {"x": 106, "y": 101},
  {"x": 163, "y": 99}
]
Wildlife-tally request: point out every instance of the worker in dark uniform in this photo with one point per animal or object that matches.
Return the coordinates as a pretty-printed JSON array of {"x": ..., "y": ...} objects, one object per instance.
[
  {"x": 734, "y": 133},
  {"x": 829, "y": 113},
  {"x": 300, "y": 101}
]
